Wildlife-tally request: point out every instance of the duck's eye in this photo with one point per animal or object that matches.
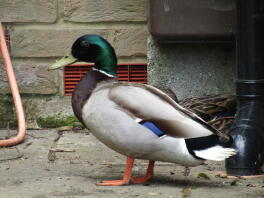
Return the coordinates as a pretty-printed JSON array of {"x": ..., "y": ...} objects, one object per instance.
[{"x": 85, "y": 43}]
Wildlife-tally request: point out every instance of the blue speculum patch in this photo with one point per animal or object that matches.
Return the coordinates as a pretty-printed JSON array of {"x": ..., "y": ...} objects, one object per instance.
[{"x": 152, "y": 127}]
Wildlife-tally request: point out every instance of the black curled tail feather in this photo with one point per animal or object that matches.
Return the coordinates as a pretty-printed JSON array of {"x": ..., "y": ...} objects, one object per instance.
[{"x": 203, "y": 143}]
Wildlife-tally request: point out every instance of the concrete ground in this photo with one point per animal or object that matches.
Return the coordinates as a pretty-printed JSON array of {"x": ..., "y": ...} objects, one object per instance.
[{"x": 67, "y": 164}]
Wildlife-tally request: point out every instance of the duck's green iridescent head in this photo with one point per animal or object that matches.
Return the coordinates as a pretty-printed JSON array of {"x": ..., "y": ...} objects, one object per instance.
[{"x": 91, "y": 48}]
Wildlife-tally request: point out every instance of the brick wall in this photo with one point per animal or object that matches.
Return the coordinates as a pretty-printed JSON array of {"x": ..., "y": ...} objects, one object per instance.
[{"x": 41, "y": 31}]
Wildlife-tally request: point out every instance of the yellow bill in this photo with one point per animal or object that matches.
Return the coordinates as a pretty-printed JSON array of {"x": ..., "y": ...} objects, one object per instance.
[{"x": 66, "y": 60}]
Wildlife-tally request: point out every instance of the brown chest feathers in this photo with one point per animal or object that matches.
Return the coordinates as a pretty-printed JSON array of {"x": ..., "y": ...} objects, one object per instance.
[{"x": 84, "y": 89}]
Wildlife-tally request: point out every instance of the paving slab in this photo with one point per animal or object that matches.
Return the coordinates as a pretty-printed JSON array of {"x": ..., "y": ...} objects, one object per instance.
[{"x": 53, "y": 164}]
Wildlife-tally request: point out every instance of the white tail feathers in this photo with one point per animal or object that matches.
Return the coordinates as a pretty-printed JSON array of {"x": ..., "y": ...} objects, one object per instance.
[{"x": 216, "y": 153}]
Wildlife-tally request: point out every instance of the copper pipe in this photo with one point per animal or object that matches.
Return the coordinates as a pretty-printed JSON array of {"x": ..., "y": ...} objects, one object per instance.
[{"x": 15, "y": 93}]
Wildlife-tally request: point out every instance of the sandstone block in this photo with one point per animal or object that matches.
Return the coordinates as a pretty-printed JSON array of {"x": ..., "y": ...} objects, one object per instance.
[
  {"x": 104, "y": 10},
  {"x": 131, "y": 42},
  {"x": 32, "y": 78},
  {"x": 28, "y": 11},
  {"x": 57, "y": 42},
  {"x": 46, "y": 42}
]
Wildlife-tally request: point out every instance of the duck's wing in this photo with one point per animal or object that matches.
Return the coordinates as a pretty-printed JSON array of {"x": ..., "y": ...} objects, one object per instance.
[{"x": 151, "y": 104}]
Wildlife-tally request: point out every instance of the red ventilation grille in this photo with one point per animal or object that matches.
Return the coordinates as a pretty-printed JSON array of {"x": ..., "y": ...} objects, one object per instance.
[{"x": 125, "y": 72}]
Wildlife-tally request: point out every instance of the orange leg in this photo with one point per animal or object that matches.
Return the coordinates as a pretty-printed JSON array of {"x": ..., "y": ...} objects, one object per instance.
[
  {"x": 148, "y": 175},
  {"x": 128, "y": 175}
]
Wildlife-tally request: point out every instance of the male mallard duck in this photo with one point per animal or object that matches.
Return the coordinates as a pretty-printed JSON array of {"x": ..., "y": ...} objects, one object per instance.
[{"x": 137, "y": 120}]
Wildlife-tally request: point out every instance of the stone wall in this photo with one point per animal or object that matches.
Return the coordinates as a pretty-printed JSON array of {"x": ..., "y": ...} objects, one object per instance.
[
  {"x": 192, "y": 69},
  {"x": 41, "y": 31}
]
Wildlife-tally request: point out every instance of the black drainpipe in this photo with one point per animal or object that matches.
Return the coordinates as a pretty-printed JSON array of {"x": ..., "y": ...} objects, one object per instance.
[{"x": 248, "y": 129}]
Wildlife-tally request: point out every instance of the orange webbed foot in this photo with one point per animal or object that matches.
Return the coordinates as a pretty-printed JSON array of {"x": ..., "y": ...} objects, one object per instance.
[{"x": 120, "y": 182}]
